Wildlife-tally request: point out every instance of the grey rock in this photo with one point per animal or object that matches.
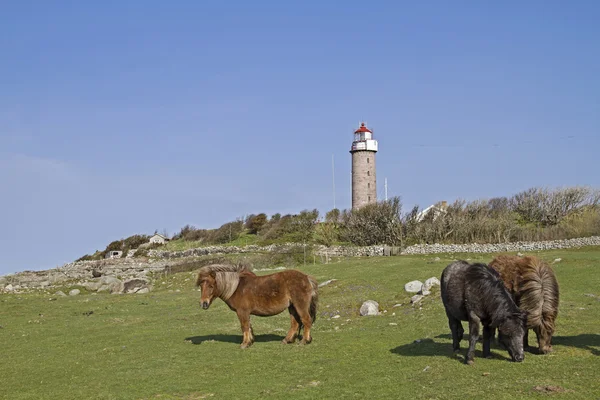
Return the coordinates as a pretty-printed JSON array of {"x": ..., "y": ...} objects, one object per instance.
[
  {"x": 92, "y": 286},
  {"x": 60, "y": 293},
  {"x": 103, "y": 288},
  {"x": 9, "y": 288},
  {"x": 327, "y": 282},
  {"x": 431, "y": 282},
  {"x": 413, "y": 286},
  {"x": 143, "y": 290},
  {"x": 425, "y": 292},
  {"x": 115, "y": 285},
  {"x": 74, "y": 292},
  {"x": 134, "y": 285},
  {"x": 369, "y": 307},
  {"x": 416, "y": 298}
]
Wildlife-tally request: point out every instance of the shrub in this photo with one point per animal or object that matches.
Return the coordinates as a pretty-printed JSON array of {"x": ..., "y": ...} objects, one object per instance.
[
  {"x": 226, "y": 233},
  {"x": 377, "y": 223},
  {"x": 256, "y": 223}
]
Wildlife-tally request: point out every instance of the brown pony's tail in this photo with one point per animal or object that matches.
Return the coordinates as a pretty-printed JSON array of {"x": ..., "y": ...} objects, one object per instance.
[
  {"x": 314, "y": 298},
  {"x": 539, "y": 294}
]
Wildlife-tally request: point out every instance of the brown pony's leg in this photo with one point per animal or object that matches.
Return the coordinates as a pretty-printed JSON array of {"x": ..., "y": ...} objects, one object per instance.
[
  {"x": 294, "y": 328},
  {"x": 544, "y": 340},
  {"x": 246, "y": 329},
  {"x": 304, "y": 313}
]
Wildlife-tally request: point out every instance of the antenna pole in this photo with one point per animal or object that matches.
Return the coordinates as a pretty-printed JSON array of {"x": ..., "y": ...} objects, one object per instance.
[{"x": 385, "y": 186}]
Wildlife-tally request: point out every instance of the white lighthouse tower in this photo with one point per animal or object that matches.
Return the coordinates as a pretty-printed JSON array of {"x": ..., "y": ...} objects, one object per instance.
[{"x": 364, "y": 178}]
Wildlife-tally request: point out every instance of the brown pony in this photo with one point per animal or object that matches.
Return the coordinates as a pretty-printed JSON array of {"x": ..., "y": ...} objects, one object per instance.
[
  {"x": 246, "y": 294},
  {"x": 535, "y": 290}
]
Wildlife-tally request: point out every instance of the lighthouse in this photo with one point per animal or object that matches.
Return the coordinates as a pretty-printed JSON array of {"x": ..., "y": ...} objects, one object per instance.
[{"x": 364, "y": 182}]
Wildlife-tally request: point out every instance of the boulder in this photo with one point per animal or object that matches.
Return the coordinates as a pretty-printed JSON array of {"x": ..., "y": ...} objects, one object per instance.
[
  {"x": 92, "y": 286},
  {"x": 143, "y": 290},
  {"x": 431, "y": 282},
  {"x": 103, "y": 288},
  {"x": 74, "y": 292},
  {"x": 9, "y": 288},
  {"x": 114, "y": 285},
  {"x": 327, "y": 282},
  {"x": 60, "y": 293},
  {"x": 416, "y": 298},
  {"x": 369, "y": 307},
  {"x": 134, "y": 285},
  {"x": 413, "y": 286}
]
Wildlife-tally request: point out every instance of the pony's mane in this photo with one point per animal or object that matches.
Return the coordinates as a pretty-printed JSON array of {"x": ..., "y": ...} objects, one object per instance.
[
  {"x": 533, "y": 281},
  {"x": 227, "y": 277},
  {"x": 492, "y": 291},
  {"x": 539, "y": 293}
]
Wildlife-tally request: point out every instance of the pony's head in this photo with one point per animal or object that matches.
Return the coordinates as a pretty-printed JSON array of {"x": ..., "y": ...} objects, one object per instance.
[
  {"x": 511, "y": 333},
  {"x": 207, "y": 281},
  {"x": 219, "y": 281}
]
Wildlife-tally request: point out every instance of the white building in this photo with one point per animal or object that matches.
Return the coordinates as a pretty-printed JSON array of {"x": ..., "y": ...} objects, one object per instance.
[
  {"x": 114, "y": 254},
  {"x": 158, "y": 238},
  {"x": 437, "y": 210}
]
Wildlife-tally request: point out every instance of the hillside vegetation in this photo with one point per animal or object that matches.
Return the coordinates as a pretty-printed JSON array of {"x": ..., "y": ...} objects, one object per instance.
[
  {"x": 532, "y": 215},
  {"x": 161, "y": 345}
]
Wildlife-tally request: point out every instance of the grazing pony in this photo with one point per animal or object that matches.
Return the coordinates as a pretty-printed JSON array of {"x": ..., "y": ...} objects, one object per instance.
[
  {"x": 475, "y": 293},
  {"x": 535, "y": 290},
  {"x": 246, "y": 294}
]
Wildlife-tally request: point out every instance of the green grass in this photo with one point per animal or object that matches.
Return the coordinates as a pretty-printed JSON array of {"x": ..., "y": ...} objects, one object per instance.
[
  {"x": 163, "y": 346},
  {"x": 178, "y": 245}
]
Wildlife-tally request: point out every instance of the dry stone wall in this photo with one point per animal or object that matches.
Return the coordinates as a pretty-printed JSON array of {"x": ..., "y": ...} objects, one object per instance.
[
  {"x": 502, "y": 247},
  {"x": 93, "y": 274}
]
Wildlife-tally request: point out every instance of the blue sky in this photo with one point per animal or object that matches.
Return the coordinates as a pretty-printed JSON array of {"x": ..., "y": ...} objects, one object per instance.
[{"x": 119, "y": 118}]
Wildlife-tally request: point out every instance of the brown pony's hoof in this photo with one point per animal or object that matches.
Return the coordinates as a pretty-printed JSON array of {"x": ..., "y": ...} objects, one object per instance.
[
  {"x": 285, "y": 341},
  {"x": 304, "y": 341},
  {"x": 470, "y": 362},
  {"x": 245, "y": 345}
]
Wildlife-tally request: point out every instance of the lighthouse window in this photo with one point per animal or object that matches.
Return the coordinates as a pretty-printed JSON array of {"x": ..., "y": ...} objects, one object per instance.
[
  {"x": 367, "y": 160},
  {"x": 368, "y": 186},
  {"x": 368, "y": 173},
  {"x": 369, "y": 199}
]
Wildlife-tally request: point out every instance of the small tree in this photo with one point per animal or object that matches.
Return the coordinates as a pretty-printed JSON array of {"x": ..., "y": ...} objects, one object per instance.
[
  {"x": 256, "y": 223},
  {"x": 303, "y": 224},
  {"x": 377, "y": 223}
]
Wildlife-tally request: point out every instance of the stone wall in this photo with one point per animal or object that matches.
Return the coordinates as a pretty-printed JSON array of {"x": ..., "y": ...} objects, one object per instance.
[
  {"x": 319, "y": 250},
  {"x": 78, "y": 273},
  {"x": 502, "y": 247},
  {"x": 82, "y": 271}
]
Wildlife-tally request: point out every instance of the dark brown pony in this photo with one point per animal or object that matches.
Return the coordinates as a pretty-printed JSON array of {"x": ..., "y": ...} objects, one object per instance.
[
  {"x": 248, "y": 294},
  {"x": 534, "y": 288}
]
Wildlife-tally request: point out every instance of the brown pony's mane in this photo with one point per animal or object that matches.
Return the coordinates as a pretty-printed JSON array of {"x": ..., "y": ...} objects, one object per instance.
[
  {"x": 533, "y": 284},
  {"x": 227, "y": 277},
  {"x": 539, "y": 293}
]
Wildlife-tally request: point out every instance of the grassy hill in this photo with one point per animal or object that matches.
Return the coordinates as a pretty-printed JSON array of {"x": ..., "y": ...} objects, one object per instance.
[{"x": 161, "y": 345}]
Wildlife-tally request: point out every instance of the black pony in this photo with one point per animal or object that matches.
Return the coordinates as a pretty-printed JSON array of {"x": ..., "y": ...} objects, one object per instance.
[{"x": 475, "y": 293}]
